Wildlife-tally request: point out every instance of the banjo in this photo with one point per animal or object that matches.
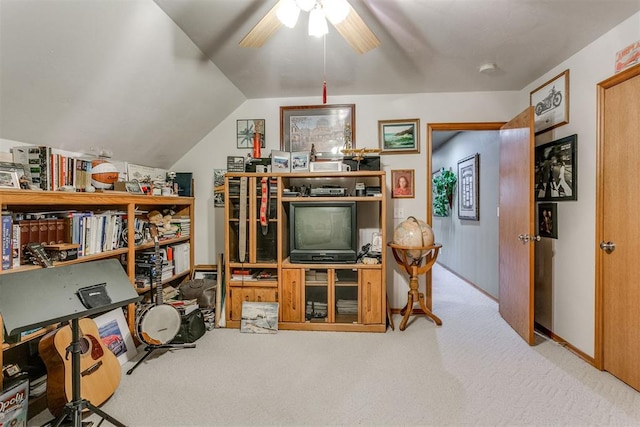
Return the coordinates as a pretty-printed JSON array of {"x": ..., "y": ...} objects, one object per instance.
[{"x": 158, "y": 323}]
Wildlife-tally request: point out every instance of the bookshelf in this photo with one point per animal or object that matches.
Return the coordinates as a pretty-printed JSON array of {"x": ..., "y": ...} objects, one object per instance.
[{"x": 122, "y": 204}]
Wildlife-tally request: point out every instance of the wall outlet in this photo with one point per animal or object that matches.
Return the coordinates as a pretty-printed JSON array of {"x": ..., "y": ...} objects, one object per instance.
[{"x": 398, "y": 213}]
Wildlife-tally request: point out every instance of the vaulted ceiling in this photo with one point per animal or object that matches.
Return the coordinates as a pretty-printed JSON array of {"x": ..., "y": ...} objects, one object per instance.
[{"x": 146, "y": 80}]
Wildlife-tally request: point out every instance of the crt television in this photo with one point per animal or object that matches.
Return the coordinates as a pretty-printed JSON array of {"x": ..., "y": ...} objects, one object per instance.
[{"x": 323, "y": 232}]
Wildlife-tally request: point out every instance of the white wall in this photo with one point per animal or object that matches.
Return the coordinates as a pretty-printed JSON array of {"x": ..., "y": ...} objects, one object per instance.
[
  {"x": 572, "y": 302},
  {"x": 470, "y": 248},
  {"x": 212, "y": 151},
  {"x": 571, "y": 284}
]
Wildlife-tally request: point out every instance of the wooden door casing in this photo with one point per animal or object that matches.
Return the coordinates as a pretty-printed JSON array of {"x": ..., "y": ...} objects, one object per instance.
[
  {"x": 516, "y": 217},
  {"x": 617, "y": 342}
]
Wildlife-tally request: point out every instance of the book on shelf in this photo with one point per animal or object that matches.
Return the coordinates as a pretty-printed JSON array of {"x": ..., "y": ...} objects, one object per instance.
[
  {"x": 38, "y": 162},
  {"x": 7, "y": 238}
]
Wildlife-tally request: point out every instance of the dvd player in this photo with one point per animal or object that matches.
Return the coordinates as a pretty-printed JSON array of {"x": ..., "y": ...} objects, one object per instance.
[{"x": 328, "y": 192}]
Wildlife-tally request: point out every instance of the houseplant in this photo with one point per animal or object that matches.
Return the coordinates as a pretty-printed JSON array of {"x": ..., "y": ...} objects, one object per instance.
[{"x": 444, "y": 184}]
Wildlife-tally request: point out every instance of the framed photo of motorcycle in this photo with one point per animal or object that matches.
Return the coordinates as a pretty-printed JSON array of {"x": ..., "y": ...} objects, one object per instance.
[{"x": 550, "y": 103}]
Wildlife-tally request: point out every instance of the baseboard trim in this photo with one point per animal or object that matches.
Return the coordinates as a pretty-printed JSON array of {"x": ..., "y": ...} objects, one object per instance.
[{"x": 558, "y": 339}]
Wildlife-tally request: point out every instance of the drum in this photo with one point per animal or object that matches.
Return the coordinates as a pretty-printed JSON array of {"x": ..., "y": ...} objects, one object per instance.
[{"x": 158, "y": 324}]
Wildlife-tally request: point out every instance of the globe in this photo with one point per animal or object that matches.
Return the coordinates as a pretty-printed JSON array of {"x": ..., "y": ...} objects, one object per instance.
[{"x": 413, "y": 232}]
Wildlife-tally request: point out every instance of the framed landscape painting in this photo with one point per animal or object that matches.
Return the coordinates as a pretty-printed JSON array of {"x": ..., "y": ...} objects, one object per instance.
[{"x": 399, "y": 136}]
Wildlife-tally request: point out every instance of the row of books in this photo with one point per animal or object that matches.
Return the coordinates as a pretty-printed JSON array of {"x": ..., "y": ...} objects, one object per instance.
[
  {"x": 50, "y": 171},
  {"x": 174, "y": 259}
]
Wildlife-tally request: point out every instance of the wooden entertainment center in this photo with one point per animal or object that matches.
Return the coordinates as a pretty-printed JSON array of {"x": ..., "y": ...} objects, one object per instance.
[{"x": 323, "y": 295}]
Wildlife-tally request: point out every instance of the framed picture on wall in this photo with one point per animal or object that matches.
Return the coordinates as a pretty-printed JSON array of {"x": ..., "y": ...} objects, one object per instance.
[
  {"x": 246, "y": 130},
  {"x": 329, "y": 128},
  {"x": 469, "y": 188},
  {"x": 550, "y": 103},
  {"x": 548, "y": 220},
  {"x": 556, "y": 170},
  {"x": 399, "y": 136},
  {"x": 402, "y": 183}
]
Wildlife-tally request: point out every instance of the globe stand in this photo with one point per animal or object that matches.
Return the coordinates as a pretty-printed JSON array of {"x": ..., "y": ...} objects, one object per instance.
[{"x": 414, "y": 268}]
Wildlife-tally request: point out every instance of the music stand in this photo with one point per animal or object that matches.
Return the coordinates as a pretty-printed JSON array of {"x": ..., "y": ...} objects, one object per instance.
[{"x": 42, "y": 297}]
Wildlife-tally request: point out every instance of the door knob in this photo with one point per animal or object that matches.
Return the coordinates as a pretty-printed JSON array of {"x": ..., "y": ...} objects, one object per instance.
[
  {"x": 608, "y": 247},
  {"x": 524, "y": 238}
]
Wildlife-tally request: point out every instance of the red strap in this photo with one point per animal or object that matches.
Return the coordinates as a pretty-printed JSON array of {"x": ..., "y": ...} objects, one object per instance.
[{"x": 264, "y": 205}]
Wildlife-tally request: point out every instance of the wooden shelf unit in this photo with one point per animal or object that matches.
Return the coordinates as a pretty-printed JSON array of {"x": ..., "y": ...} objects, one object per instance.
[
  {"x": 18, "y": 201},
  {"x": 345, "y": 285}
]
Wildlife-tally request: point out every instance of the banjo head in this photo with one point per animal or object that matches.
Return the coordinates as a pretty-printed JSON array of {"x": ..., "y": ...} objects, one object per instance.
[{"x": 158, "y": 324}]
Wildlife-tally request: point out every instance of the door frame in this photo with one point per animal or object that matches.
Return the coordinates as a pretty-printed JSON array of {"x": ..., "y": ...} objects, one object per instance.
[
  {"x": 462, "y": 127},
  {"x": 599, "y": 285}
]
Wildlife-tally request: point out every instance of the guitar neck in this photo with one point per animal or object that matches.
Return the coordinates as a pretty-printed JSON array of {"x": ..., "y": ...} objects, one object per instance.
[{"x": 157, "y": 273}]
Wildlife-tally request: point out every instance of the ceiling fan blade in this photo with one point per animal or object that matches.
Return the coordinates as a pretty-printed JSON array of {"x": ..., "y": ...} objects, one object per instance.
[
  {"x": 264, "y": 29},
  {"x": 357, "y": 33}
]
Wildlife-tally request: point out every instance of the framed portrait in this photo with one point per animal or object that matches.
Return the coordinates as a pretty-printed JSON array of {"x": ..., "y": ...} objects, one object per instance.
[
  {"x": 402, "y": 183},
  {"x": 548, "y": 220},
  {"x": 550, "y": 103},
  {"x": 299, "y": 161},
  {"x": 469, "y": 188},
  {"x": 114, "y": 333},
  {"x": 328, "y": 128},
  {"x": 246, "y": 130},
  {"x": 556, "y": 170},
  {"x": 399, "y": 136}
]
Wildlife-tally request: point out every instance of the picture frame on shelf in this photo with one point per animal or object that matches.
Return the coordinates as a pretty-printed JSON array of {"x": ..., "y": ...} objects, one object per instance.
[
  {"x": 548, "y": 220},
  {"x": 115, "y": 335},
  {"x": 280, "y": 161},
  {"x": 469, "y": 188},
  {"x": 245, "y": 132},
  {"x": 399, "y": 136},
  {"x": 9, "y": 179},
  {"x": 402, "y": 183},
  {"x": 556, "y": 170},
  {"x": 21, "y": 179},
  {"x": 132, "y": 187},
  {"x": 300, "y": 161},
  {"x": 550, "y": 103},
  {"x": 329, "y": 128},
  {"x": 218, "y": 187}
]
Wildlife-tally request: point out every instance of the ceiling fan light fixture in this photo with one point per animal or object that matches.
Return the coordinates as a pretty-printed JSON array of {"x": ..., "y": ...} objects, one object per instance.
[
  {"x": 317, "y": 23},
  {"x": 335, "y": 10},
  {"x": 306, "y": 5},
  {"x": 288, "y": 13}
]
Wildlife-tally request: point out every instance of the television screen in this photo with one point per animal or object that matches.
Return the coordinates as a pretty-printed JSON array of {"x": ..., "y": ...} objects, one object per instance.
[{"x": 323, "y": 232}]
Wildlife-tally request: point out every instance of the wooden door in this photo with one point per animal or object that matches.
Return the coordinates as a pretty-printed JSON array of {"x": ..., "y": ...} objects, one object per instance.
[
  {"x": 618, "y": 228},
  {"x": 516, "y": 224}
]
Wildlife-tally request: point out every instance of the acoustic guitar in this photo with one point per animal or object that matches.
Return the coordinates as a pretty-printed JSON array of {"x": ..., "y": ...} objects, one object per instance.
[{"x": 100, "y": 370}]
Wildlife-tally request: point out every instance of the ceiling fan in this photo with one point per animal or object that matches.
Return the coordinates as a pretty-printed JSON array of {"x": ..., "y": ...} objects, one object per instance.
[{"x": 339, "y": 12}]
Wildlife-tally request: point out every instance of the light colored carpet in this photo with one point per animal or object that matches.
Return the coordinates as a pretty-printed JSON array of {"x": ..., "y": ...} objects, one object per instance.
[{"x": 473, "y": 370}]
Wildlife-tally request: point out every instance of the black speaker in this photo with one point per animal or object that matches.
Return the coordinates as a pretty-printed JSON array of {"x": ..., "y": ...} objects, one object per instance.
[{"x": 368, "y": 163}]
